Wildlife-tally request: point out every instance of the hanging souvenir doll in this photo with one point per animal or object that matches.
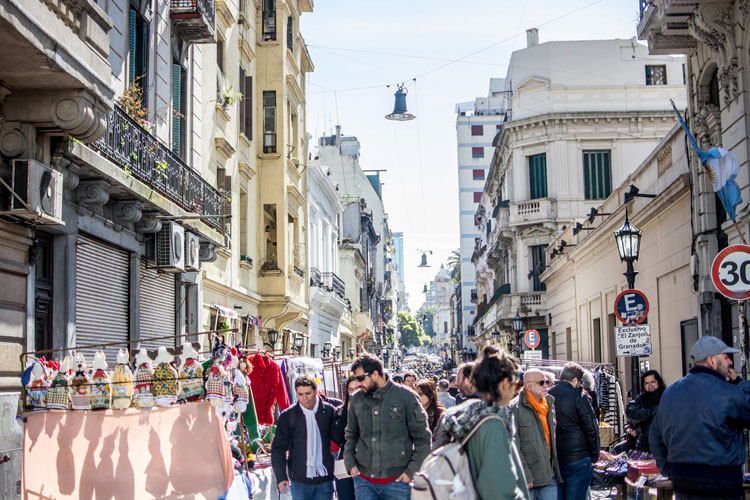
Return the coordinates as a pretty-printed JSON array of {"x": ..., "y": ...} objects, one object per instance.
[
  {"x": 239, "y": 389},
  {"x": 122, "y": 382},
  {"x": 191, "y": 374},
  {"x": 80, "y": 385},
  {"x": 216, "y": 377},
  {"x": 101, "y": 388},
  {"x": 58, "y": 398},
  {"x": 166, "y": 384},
  {"x": 144, "y": 374},
  {"x": 37, "y": 382}
]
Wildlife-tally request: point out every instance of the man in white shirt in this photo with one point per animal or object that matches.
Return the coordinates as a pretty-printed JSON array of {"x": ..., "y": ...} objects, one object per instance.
[{"x": 444, "y": 397}]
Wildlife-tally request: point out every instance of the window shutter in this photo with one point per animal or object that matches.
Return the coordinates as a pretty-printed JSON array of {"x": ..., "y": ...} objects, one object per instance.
[
  {"x": 538, "y": 176},
  {"x": 597, "y": 174},
  {"x": 141, "y": 55},
  {"x": 132, "y": 31},
  {"x": 176, "y": 104},
  {"x": 242, "y": 107},
  {"x": 247, "y": 103}
]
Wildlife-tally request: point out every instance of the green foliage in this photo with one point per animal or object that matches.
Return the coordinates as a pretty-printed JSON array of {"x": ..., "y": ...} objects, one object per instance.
[{"x": 412, "y": 334}]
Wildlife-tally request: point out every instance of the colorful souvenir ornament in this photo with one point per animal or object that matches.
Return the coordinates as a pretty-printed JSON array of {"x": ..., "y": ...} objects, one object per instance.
[
  {"x": 191, "y": 374},
  {"x": 166, "y": 384},
  {"x": 144, "y": 375},
  {"x": 37, "y": 383},
  {"x": 217, "y": 376},
  {"x": 239, "y": 387},
  {"x": 122, "y": 382},
  {"x": 101, "y": 388},
  {"x": 80, "y": 385},
  {"x": 58, "y": 398}
]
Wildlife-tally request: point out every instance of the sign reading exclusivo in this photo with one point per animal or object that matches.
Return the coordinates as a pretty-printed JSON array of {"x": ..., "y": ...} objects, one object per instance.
[{"x": 633, "y": 340}]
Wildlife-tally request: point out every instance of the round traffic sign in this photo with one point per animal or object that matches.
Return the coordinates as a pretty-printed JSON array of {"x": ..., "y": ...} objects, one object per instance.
[
  {"x": 631, "y": 307},
  {"x": 532, "y": 339},
  {"x": 730, "y": 272}
]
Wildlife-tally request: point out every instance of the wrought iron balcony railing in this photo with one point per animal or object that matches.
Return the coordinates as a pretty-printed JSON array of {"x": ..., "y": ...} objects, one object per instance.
[
  {"x": 195, "y": 19},
  {"x": 316, "y": 277},
  {"x": 334, "y": 284},
  {"x": 142, "y": 155}
]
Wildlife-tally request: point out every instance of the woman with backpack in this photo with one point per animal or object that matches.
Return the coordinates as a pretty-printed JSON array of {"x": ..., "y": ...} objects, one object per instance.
[{"x": 494, "y": 460}]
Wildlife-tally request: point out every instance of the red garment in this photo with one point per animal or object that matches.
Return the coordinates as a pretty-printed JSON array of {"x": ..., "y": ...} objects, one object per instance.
[
  {"x": 268, "y": 387},
  {"x": 378, "y": 480}
]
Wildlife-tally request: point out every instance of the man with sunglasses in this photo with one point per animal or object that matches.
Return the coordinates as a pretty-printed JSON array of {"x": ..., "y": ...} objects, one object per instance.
[
  {"x": 387, "y": 435},
  {"x": 534, "y": 411}
]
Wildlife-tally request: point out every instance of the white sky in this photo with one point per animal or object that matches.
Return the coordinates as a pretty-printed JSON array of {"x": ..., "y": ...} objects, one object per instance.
[{"x": 421, "y": 197}]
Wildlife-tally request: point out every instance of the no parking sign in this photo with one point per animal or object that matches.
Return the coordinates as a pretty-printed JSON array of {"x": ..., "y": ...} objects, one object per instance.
[
  {"x": 631, "y": 307},
  {"x": 532, "y": 339}
]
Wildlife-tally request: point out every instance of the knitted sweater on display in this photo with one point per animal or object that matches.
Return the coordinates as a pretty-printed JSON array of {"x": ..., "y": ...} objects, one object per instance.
[{"x": 268, "y": 387}]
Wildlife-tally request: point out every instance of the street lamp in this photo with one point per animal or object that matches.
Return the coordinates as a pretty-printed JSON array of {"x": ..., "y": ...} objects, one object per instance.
[
  {"x": 628, "y": 239},
  {"x": 496, "y": 335},
  {"x": 326, "y": 349},
  {"x": 299, "y": 341},
  {"x": 517, "y": 327},
  {"x": 351, "y": 352},
  {"x": 337, "y": 351},
  {"x": 273, "y": 336}
]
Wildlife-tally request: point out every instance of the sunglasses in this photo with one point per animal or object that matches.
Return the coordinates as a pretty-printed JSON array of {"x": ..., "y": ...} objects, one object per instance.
[
  {"x": 544, "y": 382},
  {"x": 360, "y": 378}
]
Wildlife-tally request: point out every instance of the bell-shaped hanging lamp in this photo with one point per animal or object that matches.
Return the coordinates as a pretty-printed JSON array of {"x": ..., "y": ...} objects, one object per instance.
[
  {"x": 425, "y": 289},
  {"x": 424, "y": 260},
  {"x": 400, "y": 113}
]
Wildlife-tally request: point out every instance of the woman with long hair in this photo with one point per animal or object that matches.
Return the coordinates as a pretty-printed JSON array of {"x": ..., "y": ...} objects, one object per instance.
[
  {"x": 642, "y": 409},
  {"x": 344, "y": 487},
  {"x": 494, "y": 460},
  {"x": 428, "y": 396}
]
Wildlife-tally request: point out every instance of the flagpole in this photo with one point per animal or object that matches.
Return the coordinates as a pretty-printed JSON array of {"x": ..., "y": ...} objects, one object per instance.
[{"x": 737, "y": 227}]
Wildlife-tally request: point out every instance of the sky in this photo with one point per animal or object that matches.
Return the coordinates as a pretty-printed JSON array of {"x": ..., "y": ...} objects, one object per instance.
[{"x": 360, "y": 47}]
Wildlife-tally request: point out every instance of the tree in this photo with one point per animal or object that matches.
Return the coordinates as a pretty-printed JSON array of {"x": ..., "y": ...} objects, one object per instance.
[
  {"x": 412, "y": 333},
  {"x": 454, "y": 266}
]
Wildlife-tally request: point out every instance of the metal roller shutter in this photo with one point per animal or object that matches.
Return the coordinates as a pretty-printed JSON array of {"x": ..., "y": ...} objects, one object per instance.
[
  {"x": 157, "y": 306},
  {"x": 102, "y": 296}
]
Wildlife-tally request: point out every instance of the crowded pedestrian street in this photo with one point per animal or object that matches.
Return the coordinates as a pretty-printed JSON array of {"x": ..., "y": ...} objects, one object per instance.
[{"x": 374, "y": 250}]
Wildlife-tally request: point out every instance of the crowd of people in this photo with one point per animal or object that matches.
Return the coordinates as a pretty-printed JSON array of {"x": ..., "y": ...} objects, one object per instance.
[{"x": 528, "y": 435}]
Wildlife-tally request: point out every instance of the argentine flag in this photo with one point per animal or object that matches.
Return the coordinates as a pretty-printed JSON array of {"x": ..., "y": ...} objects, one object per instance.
[{"x": 722, "y": 166}]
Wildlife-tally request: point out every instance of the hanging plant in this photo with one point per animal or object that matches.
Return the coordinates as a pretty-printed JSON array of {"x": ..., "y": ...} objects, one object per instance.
[{"x": 229, "y": 97}]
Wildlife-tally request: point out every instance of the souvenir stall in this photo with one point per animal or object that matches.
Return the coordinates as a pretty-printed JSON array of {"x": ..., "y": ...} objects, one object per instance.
[{"x": 136, "y": 431}]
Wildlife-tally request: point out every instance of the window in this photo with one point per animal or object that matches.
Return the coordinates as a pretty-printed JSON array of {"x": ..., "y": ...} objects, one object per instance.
[
  {"x": 656, "y": 75},
  {"x": 477, "y": 197},
  {"x": 597, "y": 330},
  {"x": 538, "y": 263},
  {"x": 179, "y": 105},
  {"x": 538, "y": 176},
  {"x": 597, "y": 175},
  {"x": 478, "y": 174},
  {"x": 246, "y": 107},
  {"x": 477, "y": 130},
  {"x": 477, "y": 152},
  {"x": 290, "y": 33},
  {"x": 244, "y": 250},
  {"x": 138, "y": 64},
  {"x": 269, "y": 20},
  {"x": 269, "y": 121},
  {"x": 445, "y": 327},
  {"x": 43, "y": 275},
  {"x": 220, "y": 54}
]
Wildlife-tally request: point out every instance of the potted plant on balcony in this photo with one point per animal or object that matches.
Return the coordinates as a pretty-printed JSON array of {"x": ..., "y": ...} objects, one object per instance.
[{"x": 229, "y": 97}]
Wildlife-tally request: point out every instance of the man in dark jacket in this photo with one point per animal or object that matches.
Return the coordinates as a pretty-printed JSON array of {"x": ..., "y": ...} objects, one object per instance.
[
  {"x": 534, "y": 411},
  {"x": 641, "y": 410},
  {"x": 387, "y": 436},
  {"x": 696, "y": 436},
  {"x": 304, "y": 431},
  {"x": 577, "y": 434}
]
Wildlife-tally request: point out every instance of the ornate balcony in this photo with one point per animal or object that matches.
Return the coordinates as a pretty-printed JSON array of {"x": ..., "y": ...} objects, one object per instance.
[
  {"x": 532, "y": 212},
  {"x": 334, "y": 284},
  {"x": 195, "y": 19},
  {"x": 666, "y": 24},
  {"x": 142, "y": 155}
]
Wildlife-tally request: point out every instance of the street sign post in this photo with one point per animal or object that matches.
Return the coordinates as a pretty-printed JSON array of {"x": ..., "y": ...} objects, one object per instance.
[
  {"x": 634, "y": 340},
  {"x": 532, "y": 339},
  {"x": 631, "y": 307},
  {"x": 730, "y": 272}
]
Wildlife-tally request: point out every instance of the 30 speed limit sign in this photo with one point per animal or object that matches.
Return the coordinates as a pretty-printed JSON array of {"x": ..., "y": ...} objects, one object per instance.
[{"x": 730, "y": 272}]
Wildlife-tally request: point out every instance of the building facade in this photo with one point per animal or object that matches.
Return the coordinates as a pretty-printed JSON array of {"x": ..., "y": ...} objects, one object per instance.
[{"x": 569, "y": 138}]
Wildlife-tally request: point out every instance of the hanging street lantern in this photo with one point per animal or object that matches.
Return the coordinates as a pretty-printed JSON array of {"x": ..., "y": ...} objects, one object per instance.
[
  {"x": 424, "y": 290},
  {"x": 326, "y": 349},
  {"x": 424, "y": 260},
  {"x": 351, "y": 352},
  {"x": 496, "y": 335},
  {"x": 400, "y": 113},
  {"x": 628, "y": 239},
  {"x": 299, "y": 341},
  {"x": 273, "y": 336}
]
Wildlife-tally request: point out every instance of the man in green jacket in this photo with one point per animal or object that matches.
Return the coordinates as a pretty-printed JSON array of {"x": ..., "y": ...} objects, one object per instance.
[
  {"x": 387, "y": 436},
  {"x": 534, "y": 412}
]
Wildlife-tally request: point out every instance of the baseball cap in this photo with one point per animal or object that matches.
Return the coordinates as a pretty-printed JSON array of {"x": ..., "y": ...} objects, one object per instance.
[{"x": 710, "y": 346}]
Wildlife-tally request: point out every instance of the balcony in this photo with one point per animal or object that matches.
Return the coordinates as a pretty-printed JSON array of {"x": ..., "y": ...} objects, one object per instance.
[
  {"x": 665, "y": 24},
  {"x": 142, "y": 155},
  {"x": 195, "y": 19},
  {"x": 532, "y": 212},
  {"x": 328, "y": 291},
  {"x": 316, "y": 277}
]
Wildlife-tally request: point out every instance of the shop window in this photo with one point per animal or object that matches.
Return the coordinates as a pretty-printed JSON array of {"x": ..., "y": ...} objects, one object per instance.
[
  {"x": 477, "y": 196},
  {"x": 656, "y": 75},
  {"x": 477, "y": 130},
  {"x": 538, "y": 176},
  {"x": 478, "y": 174},
  {"x": 477, "y": 152},
  {"x": 597, "y": 175}
]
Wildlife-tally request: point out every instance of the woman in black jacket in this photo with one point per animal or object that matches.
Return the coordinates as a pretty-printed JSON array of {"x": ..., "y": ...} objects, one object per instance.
[
  {"x": 344, "y": 487},
  {"x": 642, "y": 409}
]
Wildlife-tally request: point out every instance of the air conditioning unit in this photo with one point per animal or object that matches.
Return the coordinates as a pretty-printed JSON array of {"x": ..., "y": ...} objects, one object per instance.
[
  {"x": 170, "y": 248},
  {"x": 192, "y": 249},
  {"x": 41, "y": 189}
]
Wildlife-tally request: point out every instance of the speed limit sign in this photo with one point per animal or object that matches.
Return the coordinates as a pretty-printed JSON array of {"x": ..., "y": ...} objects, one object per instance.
[{"x": 730, "y": 272}]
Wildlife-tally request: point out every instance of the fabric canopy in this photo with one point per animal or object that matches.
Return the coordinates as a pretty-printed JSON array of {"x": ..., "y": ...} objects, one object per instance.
[{"x": 176, "y": 452}]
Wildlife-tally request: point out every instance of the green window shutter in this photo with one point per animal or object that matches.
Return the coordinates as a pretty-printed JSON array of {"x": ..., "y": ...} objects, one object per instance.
[
  {"x": 132, "y": 38},
  {"x": 176, "y": 107},
  {"x": 247, "y": 102},
  {"x": 587, "y": 175},
  {"x": 538, "y": 176},
  {"x": 243, "y": 91},
  {"x": 597, "y": 174}
]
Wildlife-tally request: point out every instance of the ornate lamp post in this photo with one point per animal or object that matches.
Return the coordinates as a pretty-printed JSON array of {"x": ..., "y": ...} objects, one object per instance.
[
  {"x": 517, "y": 327},
  {"x": 351, "y": 353},
  {"x": 337, "y": 352},
  {"x": 273, "y": 336},
  {"x": 299, "y": 341},
  {"x": 326, "y": 349}
]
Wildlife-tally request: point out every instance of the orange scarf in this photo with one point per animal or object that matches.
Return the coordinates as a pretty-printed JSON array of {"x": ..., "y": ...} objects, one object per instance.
[{"x": 541, "y": 409}]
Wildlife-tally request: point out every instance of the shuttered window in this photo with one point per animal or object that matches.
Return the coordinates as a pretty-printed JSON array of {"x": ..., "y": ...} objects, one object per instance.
[
  {"x": 538, "y": 176},
  {"x": 138, "y": 45},
  {"x": 597, "y": 175},
  {"x": 269, "y": 121},
  {"x": 538, "y": 263},
  {"x": 178, "y": 109},
  {"x": 157, "y": 311},
  {"x": 246, "y": 106},
  {"x": 290, "y": 33}
]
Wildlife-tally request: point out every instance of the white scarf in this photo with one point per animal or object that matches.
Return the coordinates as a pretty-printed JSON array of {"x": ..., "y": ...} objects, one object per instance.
[{"x": 315, "y": 467}]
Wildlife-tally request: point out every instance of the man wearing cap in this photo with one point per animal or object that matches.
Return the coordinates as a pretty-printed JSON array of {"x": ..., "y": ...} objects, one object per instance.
[{"x": 696, "y": 436}]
